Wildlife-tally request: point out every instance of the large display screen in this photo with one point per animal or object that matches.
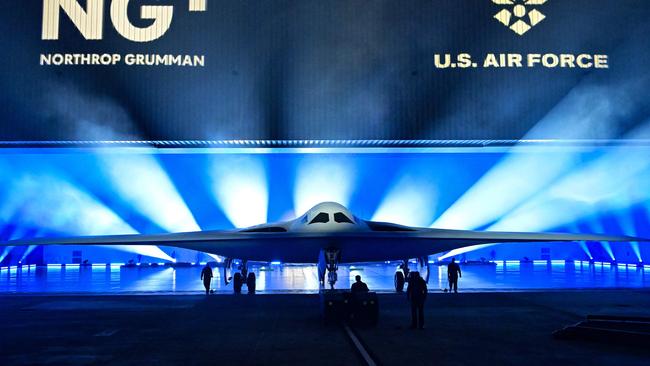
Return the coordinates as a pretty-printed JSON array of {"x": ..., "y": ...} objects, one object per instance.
[{"x": 311, "y": 69}]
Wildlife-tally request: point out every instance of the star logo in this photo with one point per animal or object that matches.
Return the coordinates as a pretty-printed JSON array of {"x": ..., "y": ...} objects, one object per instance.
[{"x": 519, "y": 15}]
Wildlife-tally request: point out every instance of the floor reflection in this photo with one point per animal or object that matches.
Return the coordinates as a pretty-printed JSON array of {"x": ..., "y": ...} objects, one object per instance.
[{"x": 499, "y": 276}]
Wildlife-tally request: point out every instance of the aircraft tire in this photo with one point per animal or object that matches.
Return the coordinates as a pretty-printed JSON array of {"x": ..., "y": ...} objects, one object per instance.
[
  {"x": 399, "y": 281},
  {"x": 237, "y": 282},
  {"x": 250, "y": 282}
]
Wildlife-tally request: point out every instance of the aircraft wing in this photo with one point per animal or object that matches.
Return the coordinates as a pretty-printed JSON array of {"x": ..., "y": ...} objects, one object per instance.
[{"x": 383, "y": 241}]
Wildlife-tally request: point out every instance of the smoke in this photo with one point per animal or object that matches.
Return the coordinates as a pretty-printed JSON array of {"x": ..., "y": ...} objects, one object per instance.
[
  {"x": 595, "y": 110},
  {"x": 83, "y": 115}
]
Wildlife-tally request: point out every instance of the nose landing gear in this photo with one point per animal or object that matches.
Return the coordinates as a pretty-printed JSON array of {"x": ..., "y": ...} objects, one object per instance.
[{"x": 328, "y": 260}]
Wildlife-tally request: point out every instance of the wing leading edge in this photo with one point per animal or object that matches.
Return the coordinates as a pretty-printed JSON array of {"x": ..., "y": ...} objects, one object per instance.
[{"x": 390, "y": 242}]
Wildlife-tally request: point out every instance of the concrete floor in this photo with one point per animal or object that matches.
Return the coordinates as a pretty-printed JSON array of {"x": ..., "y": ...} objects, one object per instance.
[{"x": 465, "y": 329}]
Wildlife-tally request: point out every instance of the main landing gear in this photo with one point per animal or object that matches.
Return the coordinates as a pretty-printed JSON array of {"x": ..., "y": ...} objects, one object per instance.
[
  {"x": 241, "y": 276},
  {"x": 328, "y": 260},
  {"x": 399, "y": 280},
  {"x": 403, "y": 272}
]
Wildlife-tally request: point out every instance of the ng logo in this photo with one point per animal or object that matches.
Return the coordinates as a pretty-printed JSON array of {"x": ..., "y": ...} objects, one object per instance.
[{"x": 518, "y": 15}]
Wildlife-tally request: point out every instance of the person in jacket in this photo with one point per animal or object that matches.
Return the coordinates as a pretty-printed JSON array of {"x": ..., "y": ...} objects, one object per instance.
[
  {"x": 416, "y": 293},
  {"x": 206, "y": 276},
  {"x": 453, "y": 273},
  {"x": 358, "y": 286}
]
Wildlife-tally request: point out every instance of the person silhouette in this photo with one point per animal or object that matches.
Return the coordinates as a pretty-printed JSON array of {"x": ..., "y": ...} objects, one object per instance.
[
  {"x": 358, "y": 286},
  {"x": 416, "y": 293},
  {"x": 206, "y": 276},
  {"x": 453, "y": 273}
]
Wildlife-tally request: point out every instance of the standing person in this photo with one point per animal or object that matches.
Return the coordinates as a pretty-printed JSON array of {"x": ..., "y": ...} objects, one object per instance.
[
  {"x": 453, "y": 273},
  {"x": 416, "y": 293},
  {"x": 206, "y": 276}
]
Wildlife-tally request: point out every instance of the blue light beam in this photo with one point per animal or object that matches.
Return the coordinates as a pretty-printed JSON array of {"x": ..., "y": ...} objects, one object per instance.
[
  {"x": 240, "y": 188},
  {"x": 598, "y": 228},
  {"x": 5, "y": 252},
  {"x": 322, "y": 179},
  {"x": 54, "y": 204},
  {"x": 589, "y": 111},
  {"x": 517, "y": 177},
  {"x": 411, "y": 201},
  {"x": 141, "y": 181},
  {"x": 585, "y": 248},
  {"x": 626, "y": 222},
  {"x": 613, "y": 182}
]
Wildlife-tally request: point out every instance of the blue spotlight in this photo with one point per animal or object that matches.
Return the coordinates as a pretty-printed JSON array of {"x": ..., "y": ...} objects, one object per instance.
[
  {"x": 608, "y": 249},
  {"x": 141, "y": 181},
  {"x": 27, "y": 252},
  {"x": 588, "y": 111},
  {"x": 584, "y": 247},
  {"x": 626, "y": 222},
  {"x": 598, "y": 228},
  {"x": 411, "y": 201},
  {"x": 635, "y": 248},
  {"x": 5, "y": 252},
  {"x": 240, "y": 187},
  {"x": 323, "y": 178},
  {"x": 615, "y": 181},
  {"x": 511, "y": 181},
  {"x": 54, "y": 204}
]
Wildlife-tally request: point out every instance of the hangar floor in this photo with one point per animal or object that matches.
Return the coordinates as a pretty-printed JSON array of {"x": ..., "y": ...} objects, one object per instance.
[
  {"x": 507, "y": 328},
  {"x": 499, "y": 276}
]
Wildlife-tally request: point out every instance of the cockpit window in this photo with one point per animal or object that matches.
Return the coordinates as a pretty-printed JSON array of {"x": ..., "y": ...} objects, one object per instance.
[
  {"x": 340, "y": 217},
  {"x": 321, "y": 217}
]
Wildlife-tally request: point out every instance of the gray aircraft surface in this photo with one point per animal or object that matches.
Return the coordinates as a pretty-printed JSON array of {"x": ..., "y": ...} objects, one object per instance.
[{"x": 327, "y": 234}]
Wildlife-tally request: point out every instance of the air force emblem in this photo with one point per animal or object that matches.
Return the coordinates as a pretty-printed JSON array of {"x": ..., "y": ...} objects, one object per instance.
[{"x": 519, "y": 15}]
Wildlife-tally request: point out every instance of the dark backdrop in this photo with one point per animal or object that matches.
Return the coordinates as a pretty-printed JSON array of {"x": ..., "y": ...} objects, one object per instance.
[{"x": 330, "y": 69}]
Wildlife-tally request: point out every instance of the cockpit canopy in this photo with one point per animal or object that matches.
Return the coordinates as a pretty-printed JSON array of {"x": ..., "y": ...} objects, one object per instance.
[
  {"x": 324, "y": 217},
  {"x": 327, "y": 212},
  {"x": 329, "y": 216}
]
